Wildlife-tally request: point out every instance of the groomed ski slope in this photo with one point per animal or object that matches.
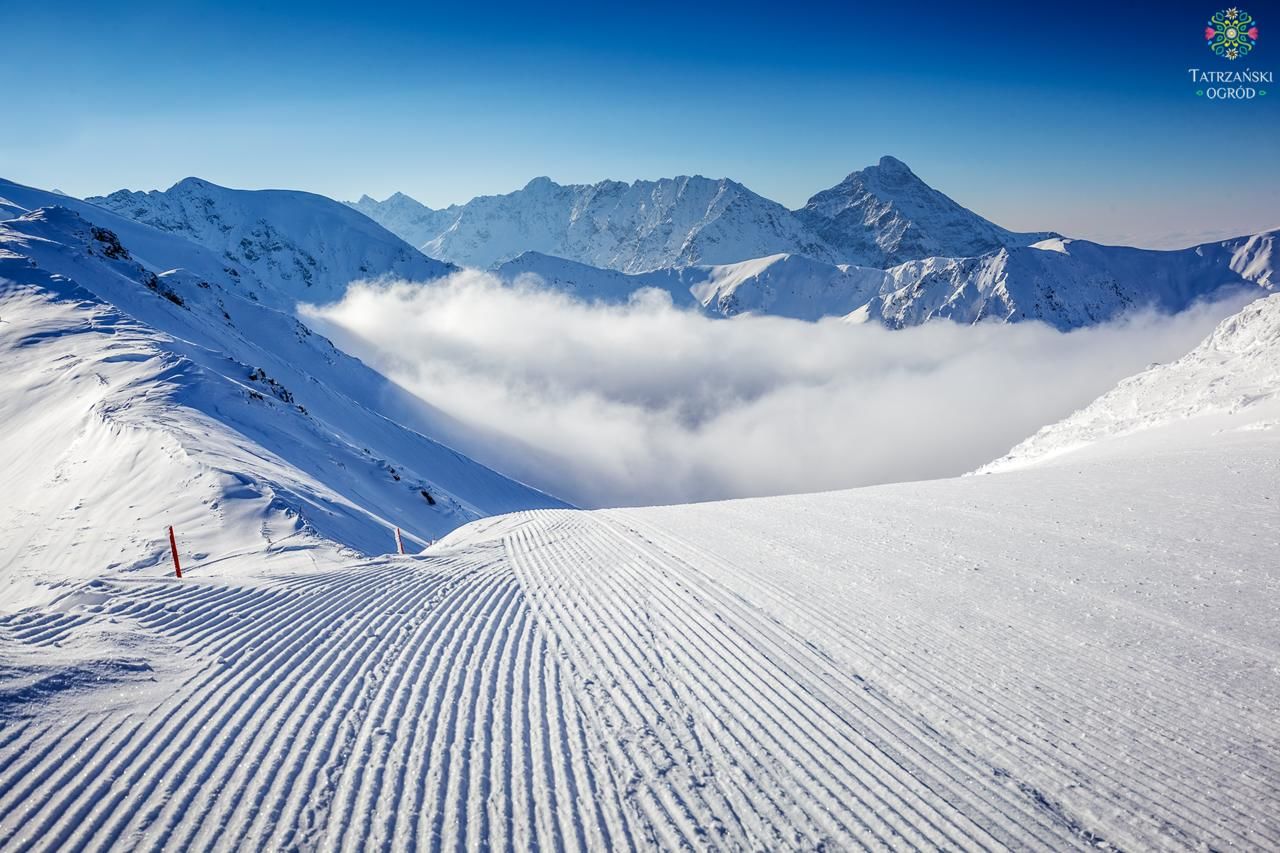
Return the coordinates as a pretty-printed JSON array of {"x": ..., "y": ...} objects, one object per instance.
[
  {"x": 1080, "y": 652},
  {"x": 1077, "y": 655}
]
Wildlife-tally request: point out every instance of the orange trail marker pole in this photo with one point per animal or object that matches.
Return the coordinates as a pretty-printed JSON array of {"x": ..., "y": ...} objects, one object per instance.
[
  {"x": 173, "y": 549},
  {"x": 399, "y": 542}
]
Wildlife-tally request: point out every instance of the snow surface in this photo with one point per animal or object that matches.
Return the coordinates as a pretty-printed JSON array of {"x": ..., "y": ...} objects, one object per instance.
[
  {"x": 135, "y": 396},
  {"x": 876, "y": 217},
  {"x": 1084, "y": 654}
]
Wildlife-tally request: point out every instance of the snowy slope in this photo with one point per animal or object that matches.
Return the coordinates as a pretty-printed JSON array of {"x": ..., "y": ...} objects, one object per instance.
[
  {"x": 783, "y": 286},
  {"x": 135, "y": 396},
  {"x": 1071, "y": 656},
  {"x": 297, "y": 246},
  {"x": 1070, "y": 283},
  {"x": 884, "y": 215},
  {"x": 1229, "y": 383}
]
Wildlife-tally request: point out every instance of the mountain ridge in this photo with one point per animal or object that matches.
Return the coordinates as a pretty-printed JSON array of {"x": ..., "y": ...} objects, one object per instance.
[
  {"x": 213, "y": 408},
  {"x": 297, "y": 246},
  {"x": 877, "y": 216},
  {"x": 1067, "y": 284}
]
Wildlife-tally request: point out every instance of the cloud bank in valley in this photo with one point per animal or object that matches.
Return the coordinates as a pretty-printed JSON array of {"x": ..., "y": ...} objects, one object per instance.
[{"x": 643, "y": 403}]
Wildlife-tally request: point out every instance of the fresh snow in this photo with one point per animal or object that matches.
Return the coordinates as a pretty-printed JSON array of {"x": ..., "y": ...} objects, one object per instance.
[
  {"x": 1082, "y": 653},
  {"x": 634, "y": 227}
]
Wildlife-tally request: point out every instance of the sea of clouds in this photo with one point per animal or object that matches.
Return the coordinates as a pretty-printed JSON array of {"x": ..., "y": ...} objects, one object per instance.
[{"x": 643, "y": 403}]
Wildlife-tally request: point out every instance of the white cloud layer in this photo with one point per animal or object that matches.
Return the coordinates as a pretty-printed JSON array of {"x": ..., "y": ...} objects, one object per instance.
[{"x": 643, "y": 403}]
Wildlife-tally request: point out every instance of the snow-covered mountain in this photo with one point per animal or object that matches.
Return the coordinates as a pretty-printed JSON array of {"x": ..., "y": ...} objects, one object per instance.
[
  {"x": 634, "y": 227},
  {"x": 297, "y": 246},
  {"x": 1070, "y": 283},
  {"x": 879, "y": 216},
  {"x": 884, "y": 215},
  {"x": 1065, "y": 283},
  {"x": 143, "y": 383}
]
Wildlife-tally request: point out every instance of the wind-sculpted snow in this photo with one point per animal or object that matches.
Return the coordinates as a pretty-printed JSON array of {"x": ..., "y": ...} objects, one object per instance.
[
  {"x": 1052, "y": 659},
  {"x": 1230, "y": 382}
]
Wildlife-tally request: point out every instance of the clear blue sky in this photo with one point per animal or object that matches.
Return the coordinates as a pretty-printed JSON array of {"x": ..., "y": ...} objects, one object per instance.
[{"x": 1080, "y": 119}]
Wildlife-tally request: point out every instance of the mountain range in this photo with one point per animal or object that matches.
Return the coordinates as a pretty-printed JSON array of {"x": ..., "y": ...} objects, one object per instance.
[
  {"x": 879, "y": 216},
  {"x": 881, "y": 246},
  {"x": 1066, "y": 283}
]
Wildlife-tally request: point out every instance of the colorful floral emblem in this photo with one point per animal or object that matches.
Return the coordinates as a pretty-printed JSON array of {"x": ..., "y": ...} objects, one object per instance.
[{"x": 1231, "y": 33}]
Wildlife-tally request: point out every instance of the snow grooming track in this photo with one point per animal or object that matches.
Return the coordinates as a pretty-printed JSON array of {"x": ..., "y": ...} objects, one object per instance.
[
  {"x": 400, "y": 705},
  {"x": 753, "y": 707},
  {"x": 728, "y": 741},
  {"x": 804, "y": 672}
]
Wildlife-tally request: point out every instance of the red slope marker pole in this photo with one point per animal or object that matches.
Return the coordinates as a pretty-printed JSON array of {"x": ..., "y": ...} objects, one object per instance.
[
  {"x": 173, "y": 548},
  {"x": 399, "y": 542}
]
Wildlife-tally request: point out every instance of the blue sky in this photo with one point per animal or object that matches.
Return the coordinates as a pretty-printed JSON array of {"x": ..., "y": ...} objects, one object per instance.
[{"x": 1081, "y": 120}]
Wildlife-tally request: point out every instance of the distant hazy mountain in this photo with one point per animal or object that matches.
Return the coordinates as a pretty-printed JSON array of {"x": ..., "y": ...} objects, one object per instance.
[
  {"x": 780, "y": 285},
  {"x": 877, "y": 217},
  {"x": 407, "y": 218},
  {"x": 297, "y": 245}
]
